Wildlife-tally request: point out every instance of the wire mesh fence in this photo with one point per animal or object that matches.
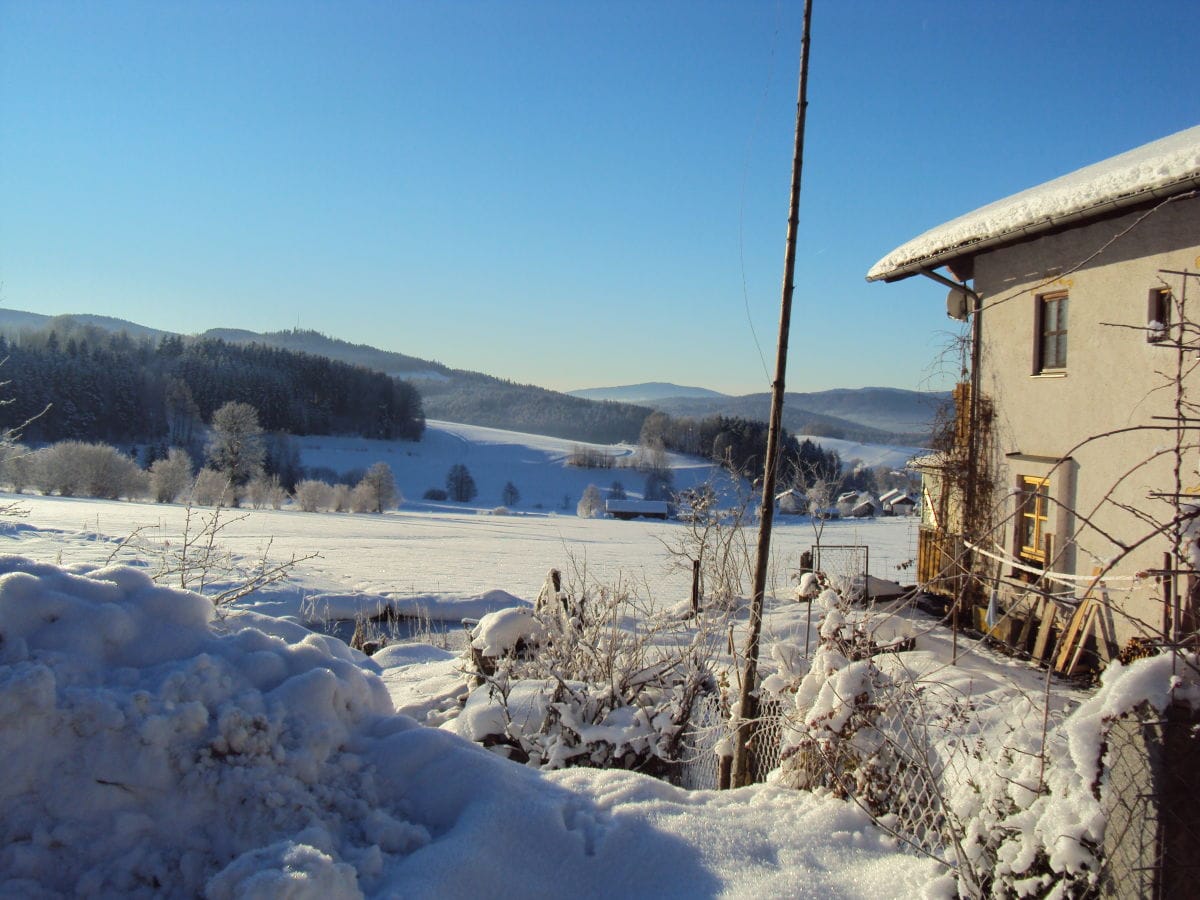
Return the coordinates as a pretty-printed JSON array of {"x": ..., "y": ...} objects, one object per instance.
[
  {"x": 845, "y": 565},
  {"x": 1151, "y": 802},
  {"x": 698, "y": 768}
]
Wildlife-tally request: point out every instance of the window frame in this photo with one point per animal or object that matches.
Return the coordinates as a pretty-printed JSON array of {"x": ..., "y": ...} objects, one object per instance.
[
  {"x": 1033, "y": 505},
  {"x": 1158, "y": 309},
  {"x": 1059, "y": 302}
]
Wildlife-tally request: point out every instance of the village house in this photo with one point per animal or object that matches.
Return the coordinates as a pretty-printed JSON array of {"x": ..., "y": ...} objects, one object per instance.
[
  {"x": 899, "y": 505},
  {"x": 792, "y": 502},
  {"x": 1058, "y": 487}
]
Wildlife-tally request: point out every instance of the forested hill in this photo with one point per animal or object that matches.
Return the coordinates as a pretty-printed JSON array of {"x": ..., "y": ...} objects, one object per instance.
[
  {"x": 398, "y": 365},
  {"x": 112, "y": 387},
  {"x": 479, "y": 399},
  {"x": 452, "y": 394},
  {"x": 473, "y": 398}
]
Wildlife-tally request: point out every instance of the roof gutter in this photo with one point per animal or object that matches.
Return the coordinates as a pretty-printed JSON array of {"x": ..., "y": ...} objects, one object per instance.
[{"x": 1175, "y": 190}]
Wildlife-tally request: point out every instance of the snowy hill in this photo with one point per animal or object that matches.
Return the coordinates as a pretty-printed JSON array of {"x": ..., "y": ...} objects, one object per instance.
[{"x": 535, "y": 464}]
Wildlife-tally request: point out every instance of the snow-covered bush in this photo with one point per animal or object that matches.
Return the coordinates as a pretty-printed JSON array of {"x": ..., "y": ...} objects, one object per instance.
[
  {"x": 78, "y": 469},
  {"x": 568, "y": 683},
  {"x": 314, "y": 496},
  {"x": 1019, "y": 812},
  {"x": 212, "y": 488},
  {"x": 833, "y": 742},
  {"x": 341, "y": 501},
  {"x": 170, "y": 478},
  {"x": 16, "y": 466},
  {"x": 265, "y": 490}
]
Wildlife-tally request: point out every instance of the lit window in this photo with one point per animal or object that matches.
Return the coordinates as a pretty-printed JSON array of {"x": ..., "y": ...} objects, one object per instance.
[
  {"x": 1158, "y": 315},
  {"x": 1050, "y": 352},
  {"x": 1034, "y": 502}
]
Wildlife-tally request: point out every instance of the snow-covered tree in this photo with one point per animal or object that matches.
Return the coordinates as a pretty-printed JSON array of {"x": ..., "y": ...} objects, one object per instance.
[
  {"x": 376, "y": 491},
  {"x": 591, "y": 504},
  {"x": 235, "y": 447}
]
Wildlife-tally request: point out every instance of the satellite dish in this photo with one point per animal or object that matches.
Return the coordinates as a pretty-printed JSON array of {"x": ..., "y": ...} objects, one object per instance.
[{"x": 957, "y": 304}]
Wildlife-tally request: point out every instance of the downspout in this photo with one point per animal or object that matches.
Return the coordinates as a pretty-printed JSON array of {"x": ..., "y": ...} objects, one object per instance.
[{"x": 970, "y": 493}]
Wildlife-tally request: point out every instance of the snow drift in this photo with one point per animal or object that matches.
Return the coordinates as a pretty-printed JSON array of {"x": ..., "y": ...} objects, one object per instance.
[{"x": 152, "y": 750}]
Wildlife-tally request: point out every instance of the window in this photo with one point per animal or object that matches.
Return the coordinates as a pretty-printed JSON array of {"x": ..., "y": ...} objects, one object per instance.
[
  {"x": 1032, "y": 517},
  {"x": 1158, "y": 315},
  {"x": 1050, "y": 333}
]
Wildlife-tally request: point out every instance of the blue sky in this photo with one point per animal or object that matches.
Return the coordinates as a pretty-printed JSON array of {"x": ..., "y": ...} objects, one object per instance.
[{"x": 568, "y": 194}]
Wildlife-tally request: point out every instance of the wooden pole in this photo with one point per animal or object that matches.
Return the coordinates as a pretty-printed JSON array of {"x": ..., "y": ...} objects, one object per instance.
[{"x": 748, "y": 697}]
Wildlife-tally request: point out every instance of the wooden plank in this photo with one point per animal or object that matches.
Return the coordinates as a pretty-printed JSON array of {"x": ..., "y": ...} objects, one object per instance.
[
  {"x": 1071, "y": 635},
  {"x": 1088, "y": 622},
  {"x": 1105, "y": 639},
  {"x": 1033, "y": 611},
  {"x": 1041, "y": 645}
]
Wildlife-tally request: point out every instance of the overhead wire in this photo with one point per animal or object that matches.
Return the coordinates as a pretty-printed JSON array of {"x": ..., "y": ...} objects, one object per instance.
[{"x": 754, "y": 128}]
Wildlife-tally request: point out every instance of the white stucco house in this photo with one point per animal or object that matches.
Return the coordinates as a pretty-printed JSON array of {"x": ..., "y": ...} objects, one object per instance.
[{"x": 1060, "y": 480}]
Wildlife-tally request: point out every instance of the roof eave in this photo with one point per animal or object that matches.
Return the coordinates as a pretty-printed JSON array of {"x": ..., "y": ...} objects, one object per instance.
[{"x": 1102, "y": 210}]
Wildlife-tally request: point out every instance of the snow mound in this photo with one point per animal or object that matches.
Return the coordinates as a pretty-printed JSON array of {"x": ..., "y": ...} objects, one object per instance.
[
  {"x": 151, "y": 750},
  {"x": 499, "y": 632},
  {"x": 144, "y": 751}
]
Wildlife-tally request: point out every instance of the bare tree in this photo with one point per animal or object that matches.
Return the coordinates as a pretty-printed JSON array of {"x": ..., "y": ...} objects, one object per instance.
[
  {"x": 460, "y": 484},
  {"x": 510, "y": 496}
]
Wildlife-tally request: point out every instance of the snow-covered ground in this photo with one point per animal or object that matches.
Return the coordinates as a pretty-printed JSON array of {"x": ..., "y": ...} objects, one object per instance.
[
  {"x": 151, "y": 749},
  {"x": 533, "y": 463}
]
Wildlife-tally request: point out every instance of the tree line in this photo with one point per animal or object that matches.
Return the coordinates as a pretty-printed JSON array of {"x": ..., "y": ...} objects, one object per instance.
[
  {"x": 741, "y": 444},
  {"x": 95, "y": 385}
]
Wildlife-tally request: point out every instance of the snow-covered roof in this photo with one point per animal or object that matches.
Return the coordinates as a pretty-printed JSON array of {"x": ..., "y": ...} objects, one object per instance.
[
  {"x": 636, "y": 506},
  {"x": 1164, "y": 167}
]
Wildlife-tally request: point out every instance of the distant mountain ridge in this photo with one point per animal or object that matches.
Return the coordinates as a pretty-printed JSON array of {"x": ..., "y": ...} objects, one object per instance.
[
  {"x": 858, "y": 413},
  {"x": 647, "y": 392},
  {"x": 870, "y": 415}
]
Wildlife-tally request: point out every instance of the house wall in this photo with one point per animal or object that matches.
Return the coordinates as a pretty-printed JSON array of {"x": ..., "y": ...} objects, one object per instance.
[{"x": 1113, "y": 379}]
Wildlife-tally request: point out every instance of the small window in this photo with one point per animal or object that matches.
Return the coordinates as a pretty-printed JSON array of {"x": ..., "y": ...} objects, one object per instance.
[
  {"x": 1158, "y": 315},
  {"x": 1050, "y": 333},
  {"x": 1032, "y": 518}
]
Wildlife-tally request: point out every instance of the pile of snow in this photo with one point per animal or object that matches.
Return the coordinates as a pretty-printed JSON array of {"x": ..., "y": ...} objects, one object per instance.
[
  {"x": 152, "y": 750},
  {"x": 500, "y": 632}
]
